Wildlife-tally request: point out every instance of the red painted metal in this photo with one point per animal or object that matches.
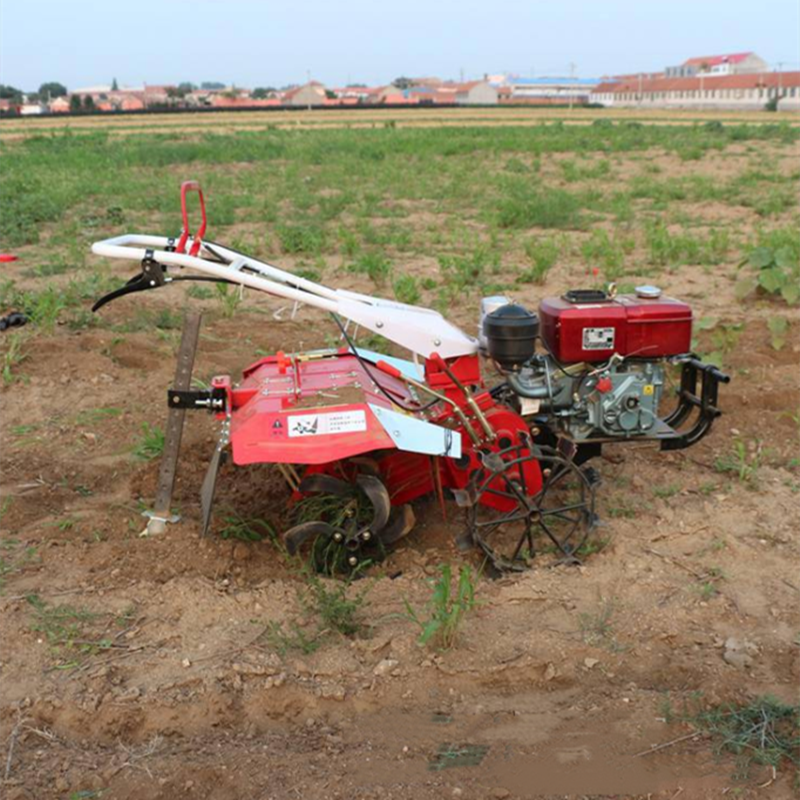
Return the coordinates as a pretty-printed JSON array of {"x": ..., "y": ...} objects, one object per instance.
[
  {"x": 333, "y": 387},
  {"x": 629, "y": 325},
  {"x": 186, "y": 187},
  {"x": 7, "y": 257}
]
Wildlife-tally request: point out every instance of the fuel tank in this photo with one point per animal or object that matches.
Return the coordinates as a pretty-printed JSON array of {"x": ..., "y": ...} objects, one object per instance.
[{"x": 590, "y": 326}]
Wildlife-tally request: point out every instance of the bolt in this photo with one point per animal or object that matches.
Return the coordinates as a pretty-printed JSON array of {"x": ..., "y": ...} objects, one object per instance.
[
  {"x": 337, "y": 537},
  {"x": 366, "y": 536},
  {"x": 378, "y": 324},
  {"x": 546, "y": 472},
  {"x": 437, "y": 342},
  {"x": 352, "y": 561}
]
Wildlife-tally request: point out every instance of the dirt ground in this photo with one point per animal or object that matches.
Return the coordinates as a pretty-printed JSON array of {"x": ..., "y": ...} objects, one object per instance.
[{"x": 559, "y": 682}]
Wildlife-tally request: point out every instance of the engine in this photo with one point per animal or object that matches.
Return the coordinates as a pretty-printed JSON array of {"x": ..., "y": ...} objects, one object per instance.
[{"x": 600, "y": 372}]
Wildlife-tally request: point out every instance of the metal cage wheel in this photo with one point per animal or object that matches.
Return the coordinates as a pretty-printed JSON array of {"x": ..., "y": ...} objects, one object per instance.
[{"x": 559, "y": 517}]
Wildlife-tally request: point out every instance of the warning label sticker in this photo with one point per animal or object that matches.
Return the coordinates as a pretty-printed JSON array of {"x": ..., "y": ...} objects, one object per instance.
[
  {"x": 598, "y": 338},
  {"x": 326, "y": 424}
]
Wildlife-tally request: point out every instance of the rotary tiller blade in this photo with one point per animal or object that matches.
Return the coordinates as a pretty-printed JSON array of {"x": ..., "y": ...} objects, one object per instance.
[
  {"x": 295, "y": 537},
  {"x": 320, "y": 483},
  {"x": 401, "y": 524},
  {"x": 378, "y": 495}
]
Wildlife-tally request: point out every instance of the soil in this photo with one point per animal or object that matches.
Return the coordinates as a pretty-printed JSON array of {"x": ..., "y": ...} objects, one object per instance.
[{"x": 560, "y": 679}]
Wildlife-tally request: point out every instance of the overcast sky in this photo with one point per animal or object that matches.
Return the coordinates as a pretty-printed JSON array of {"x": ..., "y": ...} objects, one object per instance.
[{"x": 262, "y": 43}]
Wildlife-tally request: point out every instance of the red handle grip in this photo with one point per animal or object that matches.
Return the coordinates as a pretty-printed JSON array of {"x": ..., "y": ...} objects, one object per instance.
[
  {"x": 186, "y": 187},
  {"x": 389, "y": 369}
]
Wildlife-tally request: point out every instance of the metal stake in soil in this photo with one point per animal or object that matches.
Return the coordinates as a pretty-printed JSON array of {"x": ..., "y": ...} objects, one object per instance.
[{"x": 161, "y": 514}]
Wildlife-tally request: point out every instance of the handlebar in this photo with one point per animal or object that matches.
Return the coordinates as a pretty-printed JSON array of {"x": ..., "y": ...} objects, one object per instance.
[{"x": 197, "y": 239}]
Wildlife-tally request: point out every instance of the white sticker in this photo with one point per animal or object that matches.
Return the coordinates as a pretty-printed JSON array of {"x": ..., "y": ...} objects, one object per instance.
[
  {"x": 325, "y": 424},
  {"x": 529, "y": 406},
  {"x": 598, "y": 338}
]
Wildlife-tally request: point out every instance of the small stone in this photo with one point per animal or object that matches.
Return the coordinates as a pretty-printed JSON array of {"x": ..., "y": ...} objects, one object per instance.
[
  {"x": 499, "y": 793},
  {"x": 590, "y": 662},
  {"x": 186, "y": 663},
  {"x": 385, "y": 666}
]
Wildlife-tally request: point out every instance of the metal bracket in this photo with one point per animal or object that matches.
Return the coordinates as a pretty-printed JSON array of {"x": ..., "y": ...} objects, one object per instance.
[
  {"x": 689, "y": 399},
  {"x": 197, "y": 399}
]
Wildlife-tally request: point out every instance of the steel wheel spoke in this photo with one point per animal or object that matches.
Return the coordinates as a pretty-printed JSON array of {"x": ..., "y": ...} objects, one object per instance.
[{"x": 502, "y": 520}]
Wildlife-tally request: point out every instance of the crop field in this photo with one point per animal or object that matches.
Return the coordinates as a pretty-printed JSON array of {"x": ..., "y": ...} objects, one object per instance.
[{"x": 162, "y": 667}]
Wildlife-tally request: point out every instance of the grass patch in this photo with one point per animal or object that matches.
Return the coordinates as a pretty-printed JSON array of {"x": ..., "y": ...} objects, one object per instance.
[
  {"x": 762, "y": 732},
  {"x": 527, "y": 206},
  {"x": 150, "y": 444}
]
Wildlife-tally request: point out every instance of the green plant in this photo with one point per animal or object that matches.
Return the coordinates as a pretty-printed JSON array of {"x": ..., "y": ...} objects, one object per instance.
[
  {"x": 544, "y": 255},
  {"x": 464, "y": 271},
  {"x": 665, "y": 492},
  {"x": 446, "y": 610},
  {"x": 777, "y": 272},
  {"x": 763, "y": 731},
  {"x": 245, "y": 529},
  {"x": 67, "y": 628},
  {"x": 744, "y": 461},
  {"x": 301, "y": 238},
  {"x": 329, "y": 601},
  {"x": 527, "y": 206},
  {"x": 778, "y": 329},
  {"x": 12, "y": 358},
  {"x": 229, "y": 297},
  {"x": 607, "y": 251},
  {"x": 406, "y": 290},
  {"x": 15, "y": 555},
  {"x": 150, "y": 444},
  {"x": 292, "y": 637},
  {"x": 724, "y": 339},
  {"x": 373, "y": 264}
]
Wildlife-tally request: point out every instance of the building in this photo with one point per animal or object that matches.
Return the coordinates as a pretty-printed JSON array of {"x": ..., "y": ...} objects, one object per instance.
[
  {"x": 33, "y": 109},
  {"x": 472, "y": 93},
  {"x": 311, "y": 94},
  {"x": 747, "y": 92},
  {"x": 547, "y": 91},
  {"x": 59, "y": 106},
  {"x": 729, "y": 64}
]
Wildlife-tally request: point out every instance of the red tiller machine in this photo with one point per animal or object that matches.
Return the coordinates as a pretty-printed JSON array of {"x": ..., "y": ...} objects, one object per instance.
[{"x": 359, "y": 435}]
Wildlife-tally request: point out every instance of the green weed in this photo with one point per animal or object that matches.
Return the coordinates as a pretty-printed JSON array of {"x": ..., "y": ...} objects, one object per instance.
[
  {"x": 376, "y": 266},
  {"x": 13, "y": 356},
  {"x": 527, "y": 206},
  {"x": 772, "y": 272},
  {"x": 229, "y": 297},
  {"x": 150, "y": 444},
  {"x": 544, "y": 254},
  {"x": 245, "y": 529},
  {"x": 743, "y": 460},
  {"x": 764, "y": 731},
  {"x": 67, "y": 628},
  {"x": 446, "y": 610},
  {"x": 406, "y": 290}
]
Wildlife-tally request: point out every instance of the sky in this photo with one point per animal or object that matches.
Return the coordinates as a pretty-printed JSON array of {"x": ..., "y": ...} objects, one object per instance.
[{"x": 266, "y": 43}]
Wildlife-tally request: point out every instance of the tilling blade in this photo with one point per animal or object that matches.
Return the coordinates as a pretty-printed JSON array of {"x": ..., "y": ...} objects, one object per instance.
[
  {"x": 209, "y": 487},
  {"x": 295, "y": 537},
  {"x": 378, "y": 495},
  {"x": 401, "y": 524},
  {"x": 321, "y": 483}
]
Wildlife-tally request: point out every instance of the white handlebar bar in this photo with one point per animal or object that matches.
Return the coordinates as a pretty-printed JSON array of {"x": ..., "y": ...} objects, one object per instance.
[{"x": 421, "y": 330}]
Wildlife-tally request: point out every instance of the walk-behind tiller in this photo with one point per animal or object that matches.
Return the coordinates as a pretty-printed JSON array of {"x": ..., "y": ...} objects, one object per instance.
[{"x": 359, "y": 436}]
